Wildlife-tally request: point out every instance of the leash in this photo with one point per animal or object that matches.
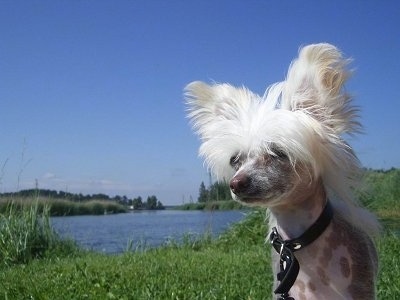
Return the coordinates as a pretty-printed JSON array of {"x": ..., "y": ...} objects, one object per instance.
[{"x": 289, "y": 266}]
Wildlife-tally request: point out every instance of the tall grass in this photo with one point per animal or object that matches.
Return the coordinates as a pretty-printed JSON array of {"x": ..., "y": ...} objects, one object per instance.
[
  {"x": 26, "y": 233},
  {"x": 212, "y": 205},
  {"x": 381, "y": 192},
  {"x": 61, "y": 207}
]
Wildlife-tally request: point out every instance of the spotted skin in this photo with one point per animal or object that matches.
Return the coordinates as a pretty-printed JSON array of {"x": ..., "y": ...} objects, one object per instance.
[{"x": 340, "y": 264}]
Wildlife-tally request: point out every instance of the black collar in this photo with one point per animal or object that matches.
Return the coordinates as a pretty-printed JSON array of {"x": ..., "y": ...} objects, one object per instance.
[{"x": 289, "y": 266}]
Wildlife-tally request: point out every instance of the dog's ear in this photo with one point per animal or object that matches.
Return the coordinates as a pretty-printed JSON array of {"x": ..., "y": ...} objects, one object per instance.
[
  {"x": 211, "y": 104},
  {"x": 315, "y": 85}
]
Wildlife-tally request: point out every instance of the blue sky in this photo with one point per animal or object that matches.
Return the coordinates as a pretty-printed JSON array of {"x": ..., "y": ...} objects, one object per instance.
[{"x": 91, "y": 91}]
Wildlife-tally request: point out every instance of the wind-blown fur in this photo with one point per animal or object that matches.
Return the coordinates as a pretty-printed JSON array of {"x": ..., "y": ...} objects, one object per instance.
[{"x": 269, "y": 146}]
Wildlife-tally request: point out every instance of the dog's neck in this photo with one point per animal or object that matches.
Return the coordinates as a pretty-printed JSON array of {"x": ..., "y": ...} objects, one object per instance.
[{"x": 300, "y": 211}]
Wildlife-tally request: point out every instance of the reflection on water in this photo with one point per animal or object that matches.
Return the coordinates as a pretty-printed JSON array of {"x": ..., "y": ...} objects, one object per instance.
[{"x": 113, "y": 233}]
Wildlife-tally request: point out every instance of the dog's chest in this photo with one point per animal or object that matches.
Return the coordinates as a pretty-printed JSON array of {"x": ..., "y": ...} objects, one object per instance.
[
  {"x": 331, "y": 268},
  {"x": 324, "y": 273}
]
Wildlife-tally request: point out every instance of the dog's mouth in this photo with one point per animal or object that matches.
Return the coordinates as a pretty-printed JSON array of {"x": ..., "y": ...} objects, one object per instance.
[{"x": 250, "y": 199}]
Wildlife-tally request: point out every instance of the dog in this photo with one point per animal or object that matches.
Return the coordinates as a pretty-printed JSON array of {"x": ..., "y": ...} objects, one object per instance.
[{"x": 285, "y": 151}]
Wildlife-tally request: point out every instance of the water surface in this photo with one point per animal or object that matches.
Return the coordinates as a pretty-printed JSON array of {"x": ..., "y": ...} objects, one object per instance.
[{"x": 113, "y": 233}]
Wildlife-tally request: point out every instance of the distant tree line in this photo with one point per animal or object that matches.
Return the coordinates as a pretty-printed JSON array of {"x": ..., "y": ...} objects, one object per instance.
[
  {"x": 151, "y": 203},
  {"x": 218, "y": 191},
  {"x": 136, "y": 203}
]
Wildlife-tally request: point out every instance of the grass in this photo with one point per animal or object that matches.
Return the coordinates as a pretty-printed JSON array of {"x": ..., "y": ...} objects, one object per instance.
[
  {"x": 234, "y": 266},
  {"x": 198, "y": 269},
  {"x": 381, "y": 192},
  {"x": 26, "y": 234},
  {"x": 211, "y": 205},
  {"x": 61, "y": 207},
  {"x": 165, "y": 273},
  {"x": 389, "y": 276}
]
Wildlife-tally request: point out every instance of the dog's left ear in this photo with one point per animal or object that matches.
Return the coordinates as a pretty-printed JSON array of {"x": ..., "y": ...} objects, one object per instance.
[
  {"x": 208, "y": 105},
  {"x": 315, "y": 85}
]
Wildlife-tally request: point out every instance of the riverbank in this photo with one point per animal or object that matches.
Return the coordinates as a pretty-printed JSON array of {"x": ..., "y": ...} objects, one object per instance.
[
  {"x": 211, "y": 205},
  {"x": 62, "y": 207},
  {"x": 236, "y": 265}
]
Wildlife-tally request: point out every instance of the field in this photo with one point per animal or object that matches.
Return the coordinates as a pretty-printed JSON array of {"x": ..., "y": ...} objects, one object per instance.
[{"x": 234, "y": 266}]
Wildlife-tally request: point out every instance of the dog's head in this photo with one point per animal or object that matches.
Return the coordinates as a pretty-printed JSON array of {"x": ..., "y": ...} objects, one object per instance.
[{"x": 275, "y": 146}]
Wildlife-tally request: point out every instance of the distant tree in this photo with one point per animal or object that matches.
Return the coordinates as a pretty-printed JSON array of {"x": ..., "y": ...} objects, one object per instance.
[
  {"x": 220, "y": 191},
  {"x": 151, "y": 202},
  {"x": 203, "y": 193},
  {"x": 160, "y": 205},
  {"x": 137, "y": 203},
  {"x": 100, "y": 196}
]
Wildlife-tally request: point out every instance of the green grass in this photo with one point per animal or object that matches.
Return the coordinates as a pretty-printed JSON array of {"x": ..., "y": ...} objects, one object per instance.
[
  {"x": 381, "y": 192},
  {"x": 62, "y": 207},
  {"x": 165, "y": 273},
  {"x": 389, "y": 276},
  {"x": 198, "y": 269},
  {"x": 211, "y": 205},
  {"x": 26, "y": 234},
  {"x": 234, "y": 266}
]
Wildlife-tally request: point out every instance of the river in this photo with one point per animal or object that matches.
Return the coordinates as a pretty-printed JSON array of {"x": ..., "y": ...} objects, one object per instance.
[{"x": 114, "y": 233}]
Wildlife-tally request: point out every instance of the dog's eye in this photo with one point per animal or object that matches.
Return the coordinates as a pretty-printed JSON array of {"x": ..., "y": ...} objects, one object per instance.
[
  {"x": 280, "y": 154},
  {"x": 234, "y": 161}
]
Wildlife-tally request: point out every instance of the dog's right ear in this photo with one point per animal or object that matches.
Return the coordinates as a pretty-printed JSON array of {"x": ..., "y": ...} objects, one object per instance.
[{"x": 207, "y": 105}]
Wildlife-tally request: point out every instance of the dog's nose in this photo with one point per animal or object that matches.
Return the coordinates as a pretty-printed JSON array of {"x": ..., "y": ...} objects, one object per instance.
[{"x": 239, "y": 183}]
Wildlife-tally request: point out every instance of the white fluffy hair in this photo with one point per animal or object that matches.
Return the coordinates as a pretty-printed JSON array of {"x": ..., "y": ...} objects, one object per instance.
[{"x": 305, "y": 116}]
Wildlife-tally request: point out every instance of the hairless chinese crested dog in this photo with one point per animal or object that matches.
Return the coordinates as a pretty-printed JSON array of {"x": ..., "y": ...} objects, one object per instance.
[{"x": 285, "y": 151}]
